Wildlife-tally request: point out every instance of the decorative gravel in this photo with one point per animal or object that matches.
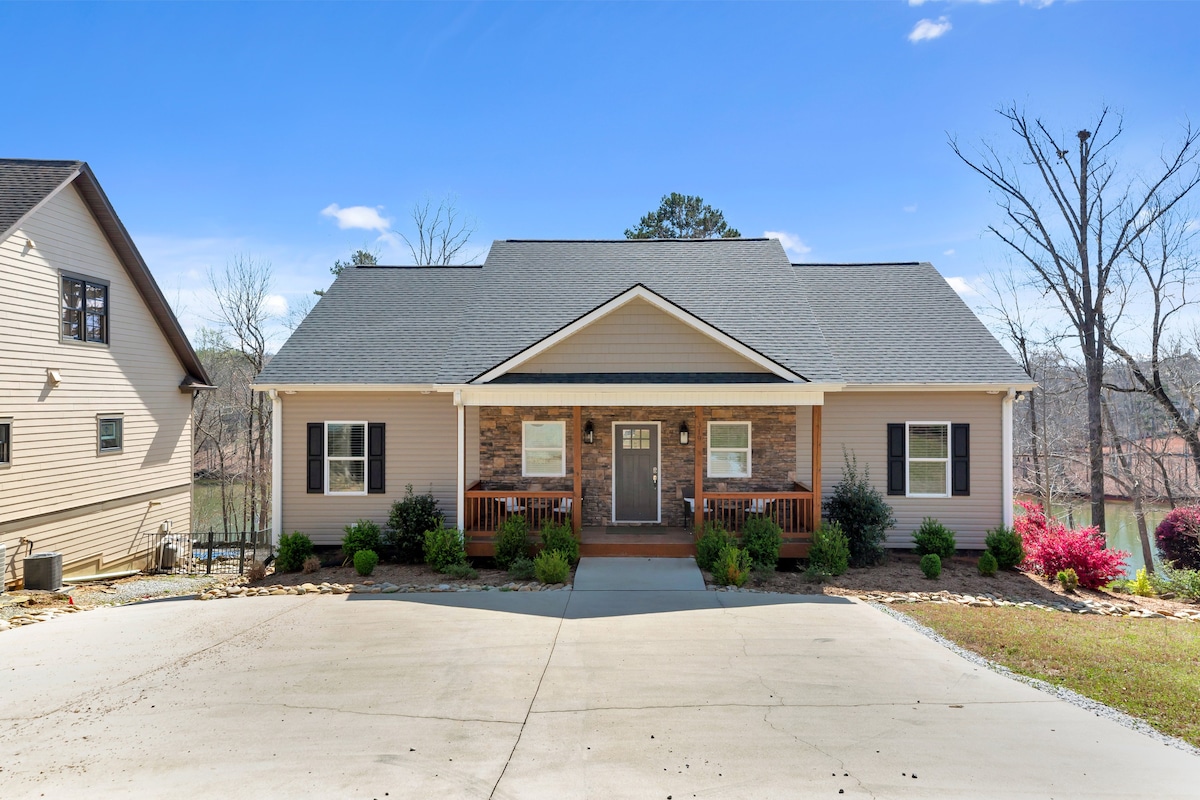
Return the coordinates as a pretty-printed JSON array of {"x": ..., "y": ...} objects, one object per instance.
[
  {"x": 118, "y": 593},
  {"x": 1062, "y": 693}
]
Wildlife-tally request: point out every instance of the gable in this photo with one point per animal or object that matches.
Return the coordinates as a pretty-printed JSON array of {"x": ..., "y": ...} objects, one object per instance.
[{"x": 638, "y": 337}]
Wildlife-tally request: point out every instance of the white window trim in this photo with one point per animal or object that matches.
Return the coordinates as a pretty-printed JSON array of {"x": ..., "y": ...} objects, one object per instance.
[
  {"x": 562, "y": 468},
  {"x": 328, "y": 458},
  {"x": 9, "y": 422},
  {"x": 111, "y": 451},
  {"x": 908, "y": 459},
  {"x": 749, "y": 448}
]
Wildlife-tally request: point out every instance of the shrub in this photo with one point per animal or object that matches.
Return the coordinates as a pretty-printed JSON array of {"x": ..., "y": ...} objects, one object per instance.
[
  {"x": 931, "y": 565},
  {"x": 732, "y": 566},
  {"x": 521, "y": 569},
  {"x": 408, "y": 521},
  {"x": 1176, "y": 537},
  {"x": 256, "y": 570},
  {"x": 560, "y": 538},
  {"x": 1068, "y": 579},
  {"x": 463, "y": 572},
  {"x": 934, "y": 537},
  {"x": 512, "y": 541},
  {"x": 551, "y": 566},
  {"x": 830, "y": 551},
  {"x": 444, "y": 548},
  {"x": 987, "y": 564},
  {"x": 293, "y": 549},
  {"x": 362, "y": 535},
  {"x": 1051, "y": 547},
  {"x": 365, "y": 561},
  {"x": 859, "y": 508},
  {"x": 1183, "y": 583},
  {"x": 1141, "y": 584},
  {"x": 761, "y": 539},
  {"x": 1004, "y": 543},
  {"x": 311, "y": 565},
  {"x": 714, "y": 539}
]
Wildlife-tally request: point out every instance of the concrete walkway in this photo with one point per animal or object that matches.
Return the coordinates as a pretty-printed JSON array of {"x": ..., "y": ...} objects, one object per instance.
[
  {"x": 638, "y": 575},
  {"x": 585, "y": 694}
]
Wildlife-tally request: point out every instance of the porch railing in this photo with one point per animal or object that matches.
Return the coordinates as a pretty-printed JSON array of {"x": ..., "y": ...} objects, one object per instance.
[
  {"x": 792, "y": 511},
  {"x": 486, "y": 510}
]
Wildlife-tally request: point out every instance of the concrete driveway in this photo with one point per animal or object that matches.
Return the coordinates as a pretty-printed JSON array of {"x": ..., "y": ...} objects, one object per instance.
[{"x": 647, "y": 694}]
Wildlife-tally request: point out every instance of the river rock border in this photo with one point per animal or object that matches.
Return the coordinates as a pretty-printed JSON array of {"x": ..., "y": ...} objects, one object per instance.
[
  {"x": 370, "y": 587},
  {"x": 35, "y": 615}
]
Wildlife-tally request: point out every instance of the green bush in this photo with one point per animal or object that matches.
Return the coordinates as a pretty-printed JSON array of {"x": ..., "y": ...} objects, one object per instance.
[
  {"x": 1069, "y": 579},
  {"x": 714, "y": 539},
  {"x": 860, "y": 509},
  {"x": 931, "y": 565},
  {"x": 761, "y": 538},
  {"x": 1005, "y": 544},
  {"x": 934, "y": 537},
  {"x": 444, "y": 548},
  {"x": 521, "y": 569},
  {"x": 461, "y": 571},
  {"x": 362, "y": 535},
  {"x": 560, "y": 538},
  {"x": 987, "y": 564},
  {"x": 829, "y": 554},
  {"x": 365, "y": 562},
  {"x": 1183, "y": 583},
  {"x": 512, "y": 541},
  {"x": 732, "y": 566},
  {"x": 551, "y": 566},
  {"x": 408, "y": 521},
  {"x": 293, "y": 549}
]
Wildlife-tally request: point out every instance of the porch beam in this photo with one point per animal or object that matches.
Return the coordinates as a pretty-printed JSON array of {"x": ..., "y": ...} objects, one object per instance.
[
  {"x": 577, "y": 469},
  {"x": 698, "y": 492},
  {"x": 461, "y": 503},
  {"x": 816, "y": 468}
]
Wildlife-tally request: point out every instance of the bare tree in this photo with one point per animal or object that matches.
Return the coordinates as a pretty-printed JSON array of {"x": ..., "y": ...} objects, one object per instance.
[
  {"x": 1072, "y": 225},
  {"x": 442, "y": 232}
]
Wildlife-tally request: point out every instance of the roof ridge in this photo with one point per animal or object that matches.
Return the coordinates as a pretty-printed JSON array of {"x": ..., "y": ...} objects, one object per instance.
[
  {"x": 634, "y": 241},
  {"x": 858, "y": 263},
  {"x": 417, "y": 266},
  {"x": 46, "y": 162}
]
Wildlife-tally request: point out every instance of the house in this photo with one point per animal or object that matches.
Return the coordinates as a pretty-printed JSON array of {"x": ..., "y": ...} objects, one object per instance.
[
  {"x": 636, "y": 388},
  {"x": 96, "y": 380}
]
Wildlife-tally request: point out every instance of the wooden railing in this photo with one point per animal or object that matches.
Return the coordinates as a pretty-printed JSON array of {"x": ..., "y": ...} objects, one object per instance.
[
  {"x": 486, "y": 510},
  {"x": 793, "y": 511}
]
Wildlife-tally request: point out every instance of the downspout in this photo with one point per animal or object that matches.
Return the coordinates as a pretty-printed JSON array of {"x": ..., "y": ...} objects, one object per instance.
[
  {"x": 461, "y": 503},
  {"x": 276, "y": 468},
  {"x": 1006, "y": 455}
]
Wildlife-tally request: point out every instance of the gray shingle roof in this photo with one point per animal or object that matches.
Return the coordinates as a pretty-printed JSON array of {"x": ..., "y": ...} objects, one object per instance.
[
  {"x": 883, "y": 323},
  {"x": 24, "y": 183},
  {"x": 902, "y": 323}
]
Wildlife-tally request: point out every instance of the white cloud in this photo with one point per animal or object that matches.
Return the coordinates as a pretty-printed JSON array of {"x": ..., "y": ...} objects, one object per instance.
[
  {"x": 360, "y": 217},
  {"x": 275, "y": 304},
  {"x": 928, "y": 29},
  {"x": 917, "y": 2},
  {"x": 949, "y": 252},
  {"x": 790, "y": 241},
  {"x": 910, "y": 209},
  {"x": 961, "y": 286}
]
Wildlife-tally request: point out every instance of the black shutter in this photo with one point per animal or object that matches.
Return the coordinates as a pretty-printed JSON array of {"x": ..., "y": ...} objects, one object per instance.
[
  {"x": 316, "y": 457},
  {"x": 896, "y": 483},
  {"x": 375, "y": 451},
  {"x": 960, "y": 460}
]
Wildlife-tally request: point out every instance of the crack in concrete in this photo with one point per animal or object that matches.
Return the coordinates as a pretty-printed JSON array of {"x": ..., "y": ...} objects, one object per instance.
[
  {"x": 841, "y": 764},
  {"x": 784, "y": 704},
  {"x": 397, "y": 714}
]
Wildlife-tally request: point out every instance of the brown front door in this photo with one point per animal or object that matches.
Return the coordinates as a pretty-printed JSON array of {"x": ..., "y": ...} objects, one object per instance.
[{"x": 635, "y": 473}]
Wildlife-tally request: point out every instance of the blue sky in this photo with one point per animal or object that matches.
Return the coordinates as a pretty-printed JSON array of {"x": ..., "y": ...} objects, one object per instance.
[{"x": 225, "y": 128}]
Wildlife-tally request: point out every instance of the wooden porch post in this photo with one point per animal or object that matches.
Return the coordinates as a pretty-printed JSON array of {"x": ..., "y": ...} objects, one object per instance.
[
  {"x": 577, "y": 467},
  {"x": 698, "y": 492},
  {"x": 816, "y": 467}
]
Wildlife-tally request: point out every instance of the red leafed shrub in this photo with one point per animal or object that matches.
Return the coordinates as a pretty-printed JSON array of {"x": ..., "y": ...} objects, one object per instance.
[
  {"x": 1176, "y": 537},
  {"x": 1051, "y": 547}
]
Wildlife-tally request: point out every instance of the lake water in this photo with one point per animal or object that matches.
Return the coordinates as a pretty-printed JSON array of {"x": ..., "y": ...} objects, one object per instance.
[{"x": 1122, "y": 526}]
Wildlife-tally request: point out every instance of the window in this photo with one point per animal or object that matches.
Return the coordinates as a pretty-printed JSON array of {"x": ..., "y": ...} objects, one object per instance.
[
  {"x": 543, "y": 454},
  {"x": 5, "y": 442},
  {"x": 346, "y": 457},
  {"x": 928, "y": 459},
  {"x": 84, "y": 310},
  {"x": 729, "y": 449},
  {"x": 110, "y": 431}
]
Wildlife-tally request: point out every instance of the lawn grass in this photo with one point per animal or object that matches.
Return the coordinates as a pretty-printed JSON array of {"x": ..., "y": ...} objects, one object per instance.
[{"x": 1148, "y": 668}]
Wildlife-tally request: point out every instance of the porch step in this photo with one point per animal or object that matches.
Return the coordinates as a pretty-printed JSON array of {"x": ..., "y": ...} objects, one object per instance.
[{"x": 648, "y": 549}]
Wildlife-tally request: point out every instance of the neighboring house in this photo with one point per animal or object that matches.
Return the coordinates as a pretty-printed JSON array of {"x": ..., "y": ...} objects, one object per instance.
[
  {"x": 96, "y": 380},
  {"x": 610, "y": 384}
]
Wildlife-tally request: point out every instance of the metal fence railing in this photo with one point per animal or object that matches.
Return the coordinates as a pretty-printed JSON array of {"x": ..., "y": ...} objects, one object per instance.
[{"x": 212, "y": 552}]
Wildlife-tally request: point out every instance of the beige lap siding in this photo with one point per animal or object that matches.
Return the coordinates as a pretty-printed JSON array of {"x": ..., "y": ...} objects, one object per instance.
[
  {"x": 859, "y": 420},
  {"x": 422, "y": 439}
]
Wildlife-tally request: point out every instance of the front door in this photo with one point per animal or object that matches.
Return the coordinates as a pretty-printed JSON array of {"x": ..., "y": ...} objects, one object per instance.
[{"x": 635, "y": 472}]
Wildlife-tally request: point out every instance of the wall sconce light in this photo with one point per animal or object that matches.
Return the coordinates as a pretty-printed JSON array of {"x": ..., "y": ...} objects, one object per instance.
[
  {"x": 683, "y": 433},
  {"x": 589, "y": 432}
]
